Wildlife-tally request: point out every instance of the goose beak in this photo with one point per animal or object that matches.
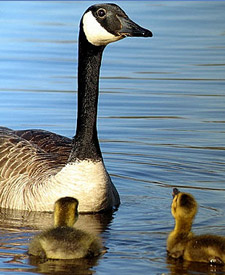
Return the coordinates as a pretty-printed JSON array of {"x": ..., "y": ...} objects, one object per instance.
[
  {"x": 129, "y": 28},
  {"x": 175, "y": 192}
]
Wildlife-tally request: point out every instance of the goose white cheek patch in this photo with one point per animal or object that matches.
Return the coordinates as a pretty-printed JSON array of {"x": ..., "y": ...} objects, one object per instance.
[{"x": 95, "y": 33}]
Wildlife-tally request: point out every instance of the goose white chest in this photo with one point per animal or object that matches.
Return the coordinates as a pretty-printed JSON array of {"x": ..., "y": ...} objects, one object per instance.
[{"x": 86, "y": 180}]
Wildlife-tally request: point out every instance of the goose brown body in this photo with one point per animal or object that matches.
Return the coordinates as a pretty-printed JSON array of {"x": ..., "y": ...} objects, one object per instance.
[
  {"x": 63, "y": 241},
  {"x": 182, "y": 243}
]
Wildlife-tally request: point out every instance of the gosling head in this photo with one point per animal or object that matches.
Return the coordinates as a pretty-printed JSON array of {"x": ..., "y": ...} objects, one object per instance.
[
  {"x": 184, "y": 206},
  {"x": 106, "y": 23},
  {"x": 65, "y": 212}
]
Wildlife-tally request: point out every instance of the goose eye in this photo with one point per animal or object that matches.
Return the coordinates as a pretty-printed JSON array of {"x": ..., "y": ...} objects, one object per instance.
[{"x": 101, "y": 12}]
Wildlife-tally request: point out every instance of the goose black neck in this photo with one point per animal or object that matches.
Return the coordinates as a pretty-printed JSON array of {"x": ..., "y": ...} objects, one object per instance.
[{"x": 85, "y": 143}]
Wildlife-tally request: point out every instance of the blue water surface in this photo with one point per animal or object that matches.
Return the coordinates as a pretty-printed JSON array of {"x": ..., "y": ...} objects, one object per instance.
[{"x": 161, "y": 124}]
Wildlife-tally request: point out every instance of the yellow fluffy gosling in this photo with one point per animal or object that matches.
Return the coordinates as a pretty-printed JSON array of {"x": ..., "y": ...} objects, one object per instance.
[
  {"x": 63, "y": 241},
  {"x": 182, "y": 243}
]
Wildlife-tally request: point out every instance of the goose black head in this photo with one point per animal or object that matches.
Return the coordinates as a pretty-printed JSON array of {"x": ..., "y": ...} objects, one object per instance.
[{"x": 106, "y": 23}]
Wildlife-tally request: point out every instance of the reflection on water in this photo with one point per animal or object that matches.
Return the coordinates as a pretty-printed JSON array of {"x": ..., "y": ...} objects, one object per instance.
[
  {"x": 161, "y": 125},
  {"x": 14, "y": 219},
  {"x": 180, "y": 267},
  {"x": 79, "y": 266},
  {"x": 18, "y": 227}
]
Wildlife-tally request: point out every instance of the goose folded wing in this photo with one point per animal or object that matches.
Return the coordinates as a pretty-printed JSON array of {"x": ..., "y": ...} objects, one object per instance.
[
  {"x": 20, "y": 157},
  {"x": 50, "y": 142}
]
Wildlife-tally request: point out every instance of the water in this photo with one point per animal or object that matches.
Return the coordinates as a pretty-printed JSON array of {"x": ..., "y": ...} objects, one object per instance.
[{"x": 161, "y": 124}]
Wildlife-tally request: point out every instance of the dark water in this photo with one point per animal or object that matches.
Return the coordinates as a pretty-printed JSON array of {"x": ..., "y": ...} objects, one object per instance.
[{"x": 161, "y": 124}]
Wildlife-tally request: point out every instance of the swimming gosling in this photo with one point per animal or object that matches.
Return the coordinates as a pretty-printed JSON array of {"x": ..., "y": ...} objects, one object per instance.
[
  {"x": 182, "y": 243},
  {"x": 63, "y": 241}
]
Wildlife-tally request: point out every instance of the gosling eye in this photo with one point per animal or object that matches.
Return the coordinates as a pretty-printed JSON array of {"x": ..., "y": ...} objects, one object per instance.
[{"x": 101, "y": 13}]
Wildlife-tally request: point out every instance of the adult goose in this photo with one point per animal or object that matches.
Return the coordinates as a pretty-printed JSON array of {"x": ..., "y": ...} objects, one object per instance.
[{"x": 38, "y": 167}]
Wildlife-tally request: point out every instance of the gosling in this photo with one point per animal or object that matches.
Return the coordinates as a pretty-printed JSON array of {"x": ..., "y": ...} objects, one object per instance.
[
  {"x": 63, "y": 241},
  {"x": 182, "y": 243}
]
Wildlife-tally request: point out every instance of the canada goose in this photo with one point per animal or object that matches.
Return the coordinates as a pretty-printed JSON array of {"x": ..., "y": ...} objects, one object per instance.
[
  {"x": 38, "y": 167},
  {"x": 63, "y": 241},
  {"x": 183, "y": 243}
]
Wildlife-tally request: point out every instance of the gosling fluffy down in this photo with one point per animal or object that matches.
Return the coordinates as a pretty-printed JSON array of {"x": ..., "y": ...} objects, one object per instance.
[
  {"x": 63, "y": 241},
  {"x": 182, "y": 243}
]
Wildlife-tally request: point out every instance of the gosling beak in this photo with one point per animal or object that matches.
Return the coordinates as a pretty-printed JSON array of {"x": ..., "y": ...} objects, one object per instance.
[
  {"x": 129, "y": 28},
  {"x": 175, "y": 192}
]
